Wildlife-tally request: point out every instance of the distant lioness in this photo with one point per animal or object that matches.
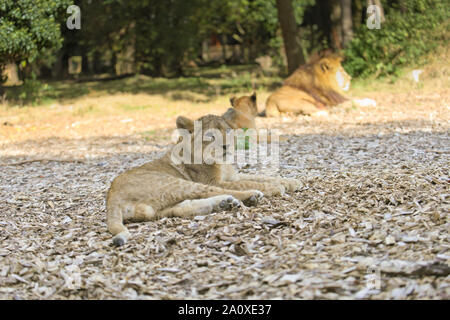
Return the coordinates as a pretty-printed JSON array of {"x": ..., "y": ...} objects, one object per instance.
[
  {"x": 162, "y": 188},
  {"x": 311, "y": 88},
  {"x": 243, "y": 112}
]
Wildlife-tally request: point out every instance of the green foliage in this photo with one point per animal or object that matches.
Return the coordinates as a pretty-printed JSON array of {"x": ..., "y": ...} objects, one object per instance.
[
  {"x": 166, "y": 34},
  {"x": 409, "y": 32},
  {"x": 161, "y": 38},
  {"x": 27, "y": 27},
  {"x": 34, "y": 91},
  {"x": 161, "y": 34},
  {"x": 164, "y": 41}
]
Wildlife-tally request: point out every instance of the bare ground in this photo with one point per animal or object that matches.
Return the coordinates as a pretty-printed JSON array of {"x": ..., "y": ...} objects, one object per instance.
[{"x": 371, "y": 220}]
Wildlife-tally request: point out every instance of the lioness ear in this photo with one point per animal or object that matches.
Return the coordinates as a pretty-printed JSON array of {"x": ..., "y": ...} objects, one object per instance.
[
  {"x": 185, "y": 123},
  {"x": 232, "y": 99},
  {"x": 253, "y": 97}
]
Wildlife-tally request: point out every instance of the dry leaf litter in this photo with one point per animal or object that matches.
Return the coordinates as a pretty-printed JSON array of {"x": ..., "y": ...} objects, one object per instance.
[{"x": 370, "y": 221}]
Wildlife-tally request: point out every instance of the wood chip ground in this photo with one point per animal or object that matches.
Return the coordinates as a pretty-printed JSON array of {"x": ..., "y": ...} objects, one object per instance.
[{"x": 371, "y": 220}]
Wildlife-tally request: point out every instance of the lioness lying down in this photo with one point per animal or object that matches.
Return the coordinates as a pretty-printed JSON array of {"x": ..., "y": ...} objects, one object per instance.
[
  {"x": 242, "y": 115},
  {"x": 243, "y": 112},
  {"x": 162, "y": 188}
]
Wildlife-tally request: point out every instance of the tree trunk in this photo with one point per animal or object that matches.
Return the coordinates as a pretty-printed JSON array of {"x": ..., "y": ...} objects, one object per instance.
[
  {"x": 289, "y": 30},
  {"x": 205, "y": 51},
  {"x": 113, "y": 63},
  {"x": 346, "y": 21},
  {"x": 223, "y": 41},
  {"x": 2, "y": 93},
  {"x": 97, "y": 63},
  {"x": 62, "y": 66},
  {"x": 358, "y": 13},
  {"x": 85, "y": 65},
  {"x": 336, "y": 25},
  {"x": 11, "y": 73},
  {"x": 403, "y": 6}
]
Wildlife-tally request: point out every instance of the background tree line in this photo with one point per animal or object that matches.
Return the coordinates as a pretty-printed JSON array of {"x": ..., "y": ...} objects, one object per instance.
[{"x": 164, "y": 38}]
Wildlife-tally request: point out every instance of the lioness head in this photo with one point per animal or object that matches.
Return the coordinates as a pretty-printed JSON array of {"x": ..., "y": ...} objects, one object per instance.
[
  {"x": 331, "y": 74},
  {"x": 207, "y": 137},
  {"x": 245, "y": 104}
]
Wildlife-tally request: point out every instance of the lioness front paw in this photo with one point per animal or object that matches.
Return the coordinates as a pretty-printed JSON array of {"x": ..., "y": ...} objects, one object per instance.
[
  {"x": 254, "y": 198},
  {"x": 229, "y": 203}
]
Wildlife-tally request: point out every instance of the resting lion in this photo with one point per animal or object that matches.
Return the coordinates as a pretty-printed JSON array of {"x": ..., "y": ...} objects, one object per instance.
[
  {"x": 243, "y": 112},
  {"x": 311, "y": 88},
  {"x": 242, "y": 115},
  {"x": 163, "y": 188}
]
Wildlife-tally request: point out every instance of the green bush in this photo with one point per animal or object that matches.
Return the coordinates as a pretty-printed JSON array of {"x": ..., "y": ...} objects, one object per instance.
[
  {"x": 407, "y": 34},
  {"x": 29, "y": 26},
  {"x": 33, "y": 91}
]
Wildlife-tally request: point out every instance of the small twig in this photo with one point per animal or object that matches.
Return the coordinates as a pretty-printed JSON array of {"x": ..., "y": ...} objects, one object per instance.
[{"x": 438, "y": 151}]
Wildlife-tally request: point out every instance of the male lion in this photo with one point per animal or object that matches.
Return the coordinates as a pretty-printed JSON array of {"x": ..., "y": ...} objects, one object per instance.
[
  {"x": 311, "y": 88},
  {"x": 163, "y": 188}
]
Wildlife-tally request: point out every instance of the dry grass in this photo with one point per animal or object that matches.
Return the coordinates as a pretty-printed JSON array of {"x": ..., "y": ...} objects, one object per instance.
[{"x": 375, "y": 201}]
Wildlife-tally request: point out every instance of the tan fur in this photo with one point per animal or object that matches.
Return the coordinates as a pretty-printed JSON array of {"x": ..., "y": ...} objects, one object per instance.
[
  {"x": 242, "y": 114},
  {"x": 311, "y": 88},
  {"x": 161, "y": 188}
]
